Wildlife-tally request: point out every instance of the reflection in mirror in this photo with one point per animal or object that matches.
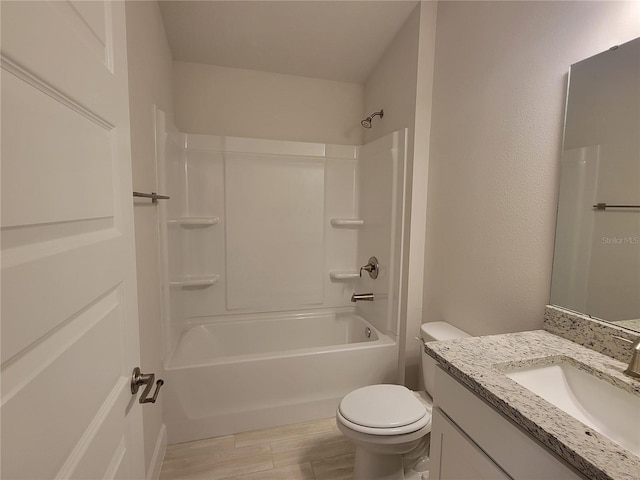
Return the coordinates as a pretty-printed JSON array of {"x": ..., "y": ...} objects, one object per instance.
[{"x": 596, "y": 265}]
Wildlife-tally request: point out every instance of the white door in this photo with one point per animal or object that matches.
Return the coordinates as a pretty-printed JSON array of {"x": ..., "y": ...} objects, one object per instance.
[{"x": 69, "y": 307}]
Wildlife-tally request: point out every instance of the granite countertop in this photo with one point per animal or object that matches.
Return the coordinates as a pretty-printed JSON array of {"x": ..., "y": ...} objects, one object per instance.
[{"x": 478, "y": 363}]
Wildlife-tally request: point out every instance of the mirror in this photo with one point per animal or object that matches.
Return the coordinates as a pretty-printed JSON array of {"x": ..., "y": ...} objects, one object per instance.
[{"x": 596, "y": 264}]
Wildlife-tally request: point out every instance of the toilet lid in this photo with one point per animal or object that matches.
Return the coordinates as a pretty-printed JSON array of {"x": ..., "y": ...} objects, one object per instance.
[{"x": 382, "y": 406}]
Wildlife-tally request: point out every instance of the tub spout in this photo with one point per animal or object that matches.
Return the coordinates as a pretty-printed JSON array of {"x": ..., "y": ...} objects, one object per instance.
[{"x": 362, "y": 297}]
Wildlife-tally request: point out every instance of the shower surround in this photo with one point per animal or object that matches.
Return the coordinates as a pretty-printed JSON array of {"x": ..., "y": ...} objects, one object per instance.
[{"x": 262, "y": 241}]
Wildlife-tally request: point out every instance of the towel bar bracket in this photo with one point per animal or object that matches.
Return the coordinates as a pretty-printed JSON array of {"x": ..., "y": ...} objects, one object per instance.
[
  {"x": 604, "y": 206},
  {"x": 153, "y": 196}
]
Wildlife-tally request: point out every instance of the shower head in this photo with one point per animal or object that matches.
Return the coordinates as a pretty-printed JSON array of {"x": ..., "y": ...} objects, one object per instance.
[{"x": 366, "y": 123}]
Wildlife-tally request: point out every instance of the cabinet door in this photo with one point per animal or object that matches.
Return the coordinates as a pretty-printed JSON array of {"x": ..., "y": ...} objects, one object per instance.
[{"x": 455, "y": 456}]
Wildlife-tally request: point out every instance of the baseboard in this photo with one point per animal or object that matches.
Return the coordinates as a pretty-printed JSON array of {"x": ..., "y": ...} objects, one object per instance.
[{"x": 158, "y": 454}]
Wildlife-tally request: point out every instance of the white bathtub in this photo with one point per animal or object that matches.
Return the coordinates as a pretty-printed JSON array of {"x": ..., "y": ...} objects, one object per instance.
[{"x": 260, "y": 371}]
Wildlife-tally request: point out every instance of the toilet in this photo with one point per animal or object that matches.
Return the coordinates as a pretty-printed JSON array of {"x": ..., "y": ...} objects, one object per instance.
[{"x": 388, "y": 422}]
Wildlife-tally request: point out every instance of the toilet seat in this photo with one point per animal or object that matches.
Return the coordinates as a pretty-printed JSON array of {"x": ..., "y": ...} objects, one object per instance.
[{"x": 383, "y": 410}]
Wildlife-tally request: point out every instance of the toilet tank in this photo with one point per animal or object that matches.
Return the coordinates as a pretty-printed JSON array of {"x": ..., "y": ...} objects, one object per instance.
[{"x": 430, "y": 332}]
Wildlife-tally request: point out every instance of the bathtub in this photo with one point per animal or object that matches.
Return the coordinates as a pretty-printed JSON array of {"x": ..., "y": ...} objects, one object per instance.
[{"x": 259, "y": 371}]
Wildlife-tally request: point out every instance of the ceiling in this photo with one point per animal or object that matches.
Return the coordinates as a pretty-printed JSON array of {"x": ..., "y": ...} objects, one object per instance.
[{"x": 335, "y": 40}]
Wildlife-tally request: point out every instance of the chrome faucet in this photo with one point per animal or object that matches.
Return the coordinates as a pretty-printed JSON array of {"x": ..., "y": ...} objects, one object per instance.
[
  {"x": 362, "y": 297},
  {"x": 633, "y": 370}
]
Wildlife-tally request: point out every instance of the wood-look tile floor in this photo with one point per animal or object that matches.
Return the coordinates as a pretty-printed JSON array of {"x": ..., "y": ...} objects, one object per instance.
[{"x": 303, "y": 451}]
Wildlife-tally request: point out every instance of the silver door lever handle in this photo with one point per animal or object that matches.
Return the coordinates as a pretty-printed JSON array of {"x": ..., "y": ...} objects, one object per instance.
[{"x": 138, "y": 379}]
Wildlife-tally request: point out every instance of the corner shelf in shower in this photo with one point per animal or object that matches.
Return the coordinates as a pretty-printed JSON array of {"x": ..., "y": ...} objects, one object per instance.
[
  {"x": 195, "y": 222},
  {"x": 347, "y": 222},
  {"x": 191, "y": 281},
  {"x": 344, "y": 275}
]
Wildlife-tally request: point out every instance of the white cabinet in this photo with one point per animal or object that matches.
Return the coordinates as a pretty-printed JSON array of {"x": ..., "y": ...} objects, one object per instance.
[
  {"x": 459, "y": 458},
  {"x": 471, "y": 440}
]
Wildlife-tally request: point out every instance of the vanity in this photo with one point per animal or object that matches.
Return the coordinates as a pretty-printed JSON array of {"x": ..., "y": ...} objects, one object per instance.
[{"x": 487, "y": 425}]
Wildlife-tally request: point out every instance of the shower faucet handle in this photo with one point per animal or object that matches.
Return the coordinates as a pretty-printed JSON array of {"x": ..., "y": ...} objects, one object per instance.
[{"x": 372, "y": 267}]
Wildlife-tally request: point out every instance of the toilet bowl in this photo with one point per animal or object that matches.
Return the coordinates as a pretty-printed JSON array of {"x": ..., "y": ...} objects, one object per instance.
[
  {"x": 384, "y": 422},
  {"x": 387, "y": 422}
]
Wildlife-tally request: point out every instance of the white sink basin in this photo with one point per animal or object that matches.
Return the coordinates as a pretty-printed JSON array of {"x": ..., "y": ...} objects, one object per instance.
[{"x": 611, "y": 411}]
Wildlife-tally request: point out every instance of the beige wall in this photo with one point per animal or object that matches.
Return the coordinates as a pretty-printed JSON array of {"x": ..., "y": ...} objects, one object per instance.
[
  {"x": 392, "y": 83},
  {"x": 401, "y": 85},
  {"x": 150, "y": 71},
  {"x": 499, "y": 91},
  {"x": 419, "y": 180},
  {"x": 246, "y": 103}
]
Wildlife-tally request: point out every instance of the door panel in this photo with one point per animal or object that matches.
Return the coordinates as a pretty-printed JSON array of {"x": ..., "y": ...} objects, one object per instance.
[
  {"x": 79, "y": 159},
  {"x": 54, "y": 42},
  {"x": 71, "y": 372},
  {"x": 41, "y": 292},
  {"x": 69, "y": 307}
]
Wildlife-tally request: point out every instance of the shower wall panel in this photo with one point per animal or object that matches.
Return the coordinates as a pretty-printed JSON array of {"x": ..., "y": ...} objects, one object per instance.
[
  {"x": 203, "y": 244},
  {"x": 170, "y": 172},
  {"x": 382, "y": 175},
  {"x": 253, "y": 229},
  {"x": 340, "y": 243},
  {"x": 275, "y": 231}
]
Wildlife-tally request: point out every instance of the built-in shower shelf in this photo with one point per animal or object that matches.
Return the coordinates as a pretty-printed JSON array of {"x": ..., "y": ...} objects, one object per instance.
[
  {"x": 344, "y": 275},
  {"x": 195, "y": 222},
  {"x": 347, "y": 222},
  {"x": 191, "y": 281}
]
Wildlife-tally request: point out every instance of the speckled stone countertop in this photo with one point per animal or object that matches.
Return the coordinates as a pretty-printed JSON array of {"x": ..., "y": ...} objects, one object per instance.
[{"x": 478, "y": 363}]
